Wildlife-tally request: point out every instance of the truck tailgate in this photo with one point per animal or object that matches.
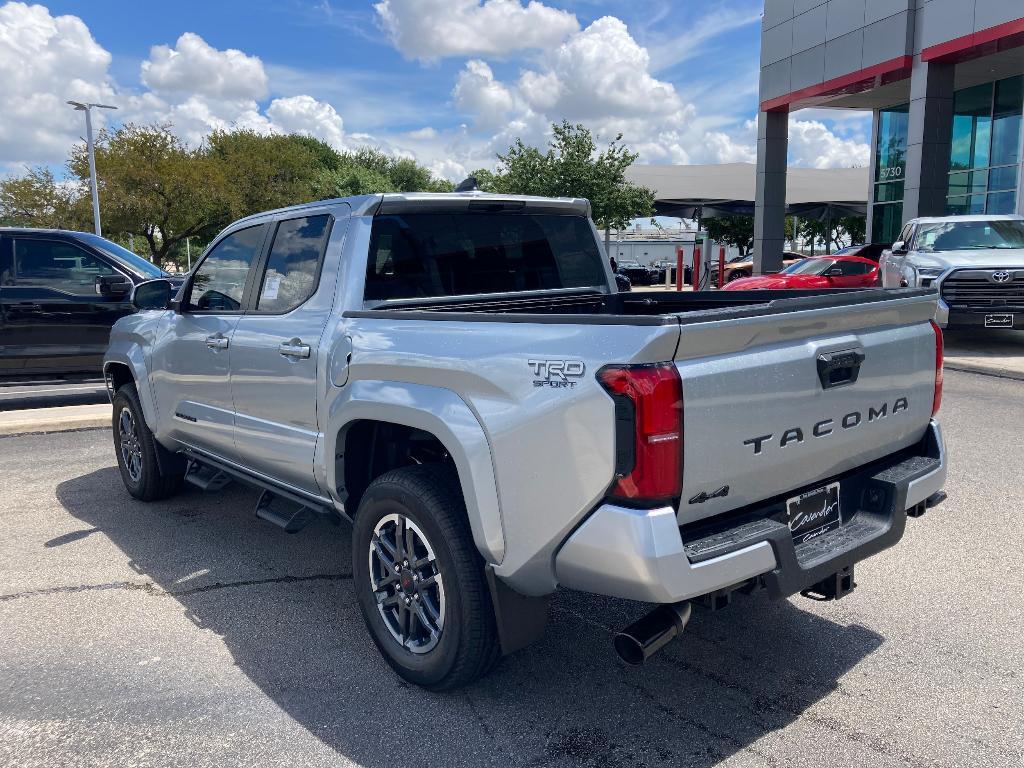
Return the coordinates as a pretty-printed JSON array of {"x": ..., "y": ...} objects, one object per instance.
[{"x": 766, "y": 408}]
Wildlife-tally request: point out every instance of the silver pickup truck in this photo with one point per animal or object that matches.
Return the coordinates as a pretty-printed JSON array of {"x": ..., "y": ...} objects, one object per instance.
[{"x": 457, "y": 375}]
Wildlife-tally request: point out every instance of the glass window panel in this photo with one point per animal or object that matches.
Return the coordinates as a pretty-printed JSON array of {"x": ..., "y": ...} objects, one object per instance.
[
  {"x": 886, "y": 221},
  {"x": 891, "y": 149},
  {"x": 959, "y": 184},
  {"x": 440, "y": 254},
  {"x": 57, "y": 265},
  {"x": 219, "y": 282},
  {"x": 1002, "y": 178},
  {"x": 972, "y": 127},
  {"x": 957, "y": 206},
  {"x": 1001, "y": 202},
  {"x": 1009, "y": 104},
  {"x": 888, "y": 193},
  {"x": 294, "y": 264}
]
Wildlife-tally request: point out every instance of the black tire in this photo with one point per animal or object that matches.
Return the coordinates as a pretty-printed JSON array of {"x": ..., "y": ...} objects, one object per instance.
[
  {"x": 736, "y": 274},
  {"x": 140, "y": 474},
  {"x": 467, "y": 645}
]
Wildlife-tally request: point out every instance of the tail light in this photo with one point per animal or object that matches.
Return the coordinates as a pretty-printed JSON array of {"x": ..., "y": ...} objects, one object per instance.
[
  {"x": 937, "y": 397},
  {"x": 648, "y": 430}
]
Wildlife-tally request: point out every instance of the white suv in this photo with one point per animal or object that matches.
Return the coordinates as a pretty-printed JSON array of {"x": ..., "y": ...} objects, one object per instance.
[{"x": 975, "y": 262}]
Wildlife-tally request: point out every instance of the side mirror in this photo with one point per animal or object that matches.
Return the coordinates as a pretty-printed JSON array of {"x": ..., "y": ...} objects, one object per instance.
[
  {"x": 153, "y": 294},
  {"x": 899, "y": 248},
  {"x": 834, "y": 272},
  {"x": 112, "y": 285}
]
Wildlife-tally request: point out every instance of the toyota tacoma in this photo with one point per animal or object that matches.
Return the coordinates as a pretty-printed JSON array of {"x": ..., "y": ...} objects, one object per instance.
[{"x": 458, "y": 377}]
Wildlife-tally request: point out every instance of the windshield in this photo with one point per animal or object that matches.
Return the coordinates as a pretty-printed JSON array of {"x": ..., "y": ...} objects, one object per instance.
[
  {"x": 809, "y": 267},
  {"x": 123, "y": 256},
  {"x": 415, "y": 255},
  {"x": 969, "y": 235}
]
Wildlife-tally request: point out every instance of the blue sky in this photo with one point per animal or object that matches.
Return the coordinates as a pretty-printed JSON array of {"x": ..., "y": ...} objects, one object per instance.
[{"x": 449, "y": 82}]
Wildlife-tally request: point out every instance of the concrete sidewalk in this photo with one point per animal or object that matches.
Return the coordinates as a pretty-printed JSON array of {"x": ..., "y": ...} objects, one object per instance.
[
  {"x": 993, "y": 352},
  {"x": 60, "y": 419}
]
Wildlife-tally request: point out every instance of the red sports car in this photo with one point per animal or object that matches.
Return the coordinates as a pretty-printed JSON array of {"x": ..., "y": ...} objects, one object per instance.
[{"x": 816, "y": 272}]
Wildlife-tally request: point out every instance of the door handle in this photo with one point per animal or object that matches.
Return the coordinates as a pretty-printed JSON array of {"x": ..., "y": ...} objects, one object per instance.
[
  {"x": 217, "y": 342},
  {"x": 294, "y": 348}
]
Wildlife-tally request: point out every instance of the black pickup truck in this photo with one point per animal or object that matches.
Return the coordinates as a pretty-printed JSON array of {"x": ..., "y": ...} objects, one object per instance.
[{"x": 60, "y": 292}]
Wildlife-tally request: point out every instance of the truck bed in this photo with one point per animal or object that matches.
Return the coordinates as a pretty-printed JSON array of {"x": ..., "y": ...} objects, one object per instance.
[{"x": 635, "y": 308}]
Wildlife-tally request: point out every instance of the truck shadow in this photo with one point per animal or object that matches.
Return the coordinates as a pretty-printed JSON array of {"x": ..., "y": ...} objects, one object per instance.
[{"x": 283, "y": 607}]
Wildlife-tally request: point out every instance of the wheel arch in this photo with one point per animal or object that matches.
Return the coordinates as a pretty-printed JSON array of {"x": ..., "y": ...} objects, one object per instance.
[
  {"x": 389, "y": 410},
  {"x": 123, "y": 366}
]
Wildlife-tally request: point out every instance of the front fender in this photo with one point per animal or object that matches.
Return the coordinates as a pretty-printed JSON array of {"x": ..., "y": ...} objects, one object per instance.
[
  {"x": 445, "y": 415},
  {"x": 128, "y": 340}
]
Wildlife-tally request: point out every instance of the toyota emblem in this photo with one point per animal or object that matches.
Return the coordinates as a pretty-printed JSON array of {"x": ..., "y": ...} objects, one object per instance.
[{"x": 1002, "y": 276}]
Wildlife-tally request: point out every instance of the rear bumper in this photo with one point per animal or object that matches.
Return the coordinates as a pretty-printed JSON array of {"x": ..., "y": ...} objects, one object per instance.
[{"x": 645, "y": 555}]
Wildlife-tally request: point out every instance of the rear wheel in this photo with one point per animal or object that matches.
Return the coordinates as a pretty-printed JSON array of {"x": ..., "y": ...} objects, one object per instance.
[
  {"x": 736, "y": 274},
  {"x": 419, "y": 579},
  {"x": 136, "y": 450}
]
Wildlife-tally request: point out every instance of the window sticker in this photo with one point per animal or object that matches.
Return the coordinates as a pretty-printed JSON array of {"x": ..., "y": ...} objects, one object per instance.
[{"x": 271, "y": 286}]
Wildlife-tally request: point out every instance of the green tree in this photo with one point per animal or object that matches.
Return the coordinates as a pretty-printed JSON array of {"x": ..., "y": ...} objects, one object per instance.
[
  {"x": 37, "y": 199},
  {"x": 833, "y": 234},
  {"x": 572, "y": 166},
  {"x": 736, "y": 230},
  {"x": 152, "y": 185},
  {"x": 367, "y": 170},
  {"x": 264, "y": 172}
]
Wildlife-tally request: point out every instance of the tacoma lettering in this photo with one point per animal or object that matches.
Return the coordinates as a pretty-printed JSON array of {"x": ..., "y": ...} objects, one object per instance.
[{"x": 825, "y": 427}]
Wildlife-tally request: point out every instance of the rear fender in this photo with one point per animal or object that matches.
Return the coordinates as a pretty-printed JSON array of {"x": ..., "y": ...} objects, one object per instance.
[{"x": 443, "y": 414}]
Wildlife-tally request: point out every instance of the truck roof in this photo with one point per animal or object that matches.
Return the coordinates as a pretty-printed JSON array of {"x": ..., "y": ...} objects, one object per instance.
[
  {"x": 367, "y": 205},
  {"x": 973, "y": 217}
]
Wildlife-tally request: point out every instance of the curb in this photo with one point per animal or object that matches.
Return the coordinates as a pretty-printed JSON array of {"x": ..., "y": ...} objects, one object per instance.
[
  {"x": 50, "y": 420},
  {"x": 985, "y": 370}
]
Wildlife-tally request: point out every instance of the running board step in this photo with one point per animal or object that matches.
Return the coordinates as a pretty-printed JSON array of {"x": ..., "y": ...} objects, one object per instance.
[
  {"x": 284, "y": 513},
  {"x": 206, "y": 478}
]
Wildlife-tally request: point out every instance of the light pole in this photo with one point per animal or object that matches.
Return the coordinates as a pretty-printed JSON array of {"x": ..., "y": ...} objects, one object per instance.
[{"x": 87, "y": 108}]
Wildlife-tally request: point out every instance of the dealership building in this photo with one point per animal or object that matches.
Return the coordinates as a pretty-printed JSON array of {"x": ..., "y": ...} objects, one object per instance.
[{"x": 944, "y": 80}]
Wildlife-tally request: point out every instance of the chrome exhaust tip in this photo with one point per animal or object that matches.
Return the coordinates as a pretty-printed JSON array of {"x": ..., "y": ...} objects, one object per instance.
[{"x": 648, "y": 635}]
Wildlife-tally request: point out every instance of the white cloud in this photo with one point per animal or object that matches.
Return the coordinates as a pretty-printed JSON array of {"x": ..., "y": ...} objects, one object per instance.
[
  {"x": 194, "y": 67},
  {"x": 433, "y": 29},
  {"x": 813, "y": 144},
  {"x": 600, "y": 71},
  {"x": 44, "y": 61},
  {"x": 602, "y": 78},
  {"x": 599, "y": 76},
  {"x": 306, "y": 115},
  {"x": 477, "y": 92}
]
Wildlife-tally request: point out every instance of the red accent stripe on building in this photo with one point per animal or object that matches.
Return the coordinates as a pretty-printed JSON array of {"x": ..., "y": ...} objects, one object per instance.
[
  {"x": 855, "y": 82},
  {"x": 964, "y": 47}
]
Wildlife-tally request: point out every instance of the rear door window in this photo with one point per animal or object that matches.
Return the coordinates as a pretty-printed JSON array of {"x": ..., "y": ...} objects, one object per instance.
[
  {"x": 219, "y": 282},
  {"x": 293, "y": 267},
  {"x": 57, "y": 265},
  {"x": 851, "y": 268},
  {"x": 423, "y": 255}
]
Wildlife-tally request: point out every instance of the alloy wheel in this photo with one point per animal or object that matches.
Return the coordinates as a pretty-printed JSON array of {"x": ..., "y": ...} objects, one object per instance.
[
  {"x": 131, "y": 446},
  {"x": 406, "y": 583}
]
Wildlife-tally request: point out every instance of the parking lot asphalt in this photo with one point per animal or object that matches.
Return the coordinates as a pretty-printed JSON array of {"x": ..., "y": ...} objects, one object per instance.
[{"x": 188, "y": 633}]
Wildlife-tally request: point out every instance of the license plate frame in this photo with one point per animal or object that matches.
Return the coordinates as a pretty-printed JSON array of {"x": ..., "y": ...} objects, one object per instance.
[
  {"x": 999, "y": 320},
  {"x": 814, "y": 513}
]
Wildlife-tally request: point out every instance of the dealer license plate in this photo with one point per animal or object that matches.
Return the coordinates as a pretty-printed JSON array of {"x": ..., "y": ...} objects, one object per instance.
[
  {"x": 813, "y": 513},
  {"x": 999, "y": 321}
]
